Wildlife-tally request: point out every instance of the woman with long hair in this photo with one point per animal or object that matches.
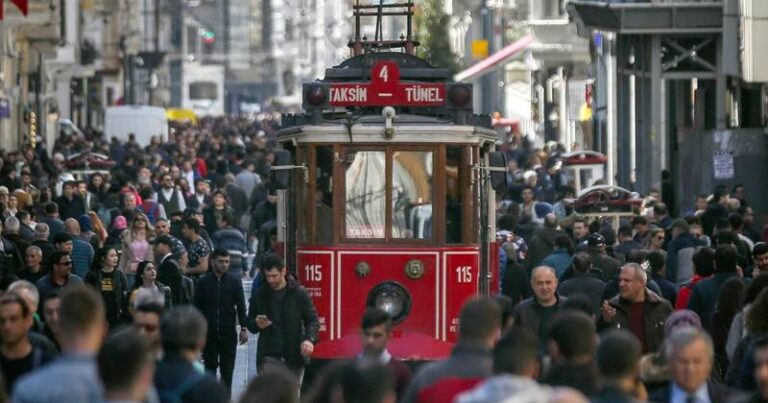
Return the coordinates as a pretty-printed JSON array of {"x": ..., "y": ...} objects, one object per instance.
[
  {"x": 110, "y": 282},
  {"x": 136, "y": 248},
  {"x": 146, "y": 278},
  {"x": 728, "y": 305},
  {"x": 756, "y": 324},
  {"x": 99, "y": 231}
]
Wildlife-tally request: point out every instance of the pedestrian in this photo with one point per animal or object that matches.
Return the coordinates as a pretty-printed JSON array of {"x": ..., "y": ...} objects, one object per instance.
[
  {"x": 146, "y": 279},
  {"x": 597, "y": 249},
  {"x": 82, "y": 329},
  {"x": 376, "y": 331},
  {"x": 728, "y": 305},
  {"x": 637, "y": 309},
  {"x": 278, "y": 385},
  {"x": 617, "y": 358},
  {"x": 537, "y": 312},
  {"x": 135, "y": 245},
  {"x": 61, "y": 275},
  {"x": 571, "y": 345},
  {"x": 471, "y": 360},
  {"x": 51, "y": 310},
  {"x": 169, "y": 196},
  {"x": 584, "y": 282},
  {"x": 543, "y": 242},
  {"x": 213, "y": 213},
  {"x": 560, "y": 258},
  {"x": 657, "y": 268},
  {"x": 198, "y": 250},
  {"x": 110, "y": 283},
  {"x": 231, "y": 239},
  {"x": 168, "y": 271},
  {"x": 760, "y": 373},
  {"x": 283, "y": 315},
  {"x": 146, "y": 320},
  {"x": 183, "y": 334},
  {"x": 703, "y": 267},
  {"x": 705, "y": 294},
  {"x": 219, "y": 296},
  {"x": 680, "y": 252},
  {"x": 82, "y": 251},
  {"x": 70, "y": 204},
  {"x": 178, "y": 250},
  {"x": 33, "y": 270},
  {"x": 126, "y": 367},
  {"x": 18, "y": 356},
  {"x": 690, "y": 357},
  {"x": 760, "y": 258}
]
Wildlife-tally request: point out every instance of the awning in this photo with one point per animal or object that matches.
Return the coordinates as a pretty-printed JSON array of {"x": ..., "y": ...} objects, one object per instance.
[{"x": 491, "y": 62}]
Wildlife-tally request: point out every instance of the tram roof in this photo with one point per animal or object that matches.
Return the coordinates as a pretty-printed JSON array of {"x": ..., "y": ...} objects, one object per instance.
[{"x": 408, "y": 129}]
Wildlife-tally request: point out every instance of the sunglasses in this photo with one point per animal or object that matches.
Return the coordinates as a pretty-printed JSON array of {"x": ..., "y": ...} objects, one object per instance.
[
  {"x": 67, "y": 263},
  {"x": 660, "y": 238}
]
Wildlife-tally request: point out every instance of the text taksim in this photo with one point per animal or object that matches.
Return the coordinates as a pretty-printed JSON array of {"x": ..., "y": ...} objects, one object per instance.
[{"x": 349, "y": 94}]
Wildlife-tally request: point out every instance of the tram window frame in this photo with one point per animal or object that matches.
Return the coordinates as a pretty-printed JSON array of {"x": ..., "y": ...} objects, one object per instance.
[
  {"x": 438, "y": 193},
  {"x": 465, "y": 202},
  {"x": 433, "y": 155},
  {"x": 317, "y": 158},
  {"x": 344, "y": 163}
]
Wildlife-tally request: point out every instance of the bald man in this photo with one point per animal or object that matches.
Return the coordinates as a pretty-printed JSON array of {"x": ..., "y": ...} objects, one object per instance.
[{"x": 537, "y": 312}]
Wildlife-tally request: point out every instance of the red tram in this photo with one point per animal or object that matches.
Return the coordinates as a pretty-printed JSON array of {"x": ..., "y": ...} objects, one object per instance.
[{"x": 385, "y": 191}]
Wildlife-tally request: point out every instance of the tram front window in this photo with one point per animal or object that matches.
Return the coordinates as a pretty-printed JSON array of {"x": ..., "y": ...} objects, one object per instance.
[
  {"x": 366, "y": 195},
  {"x": 412, "y": 194}
]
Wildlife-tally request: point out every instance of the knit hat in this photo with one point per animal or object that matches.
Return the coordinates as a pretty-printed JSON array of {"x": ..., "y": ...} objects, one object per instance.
[
  {"x": 85, "y": 223},
  {"x": 119, "y": 223},
  {"x": 680, "y": 319}
]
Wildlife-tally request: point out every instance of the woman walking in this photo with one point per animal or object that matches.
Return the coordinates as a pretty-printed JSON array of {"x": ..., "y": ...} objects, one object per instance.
[{"x": 110, "y": 282}]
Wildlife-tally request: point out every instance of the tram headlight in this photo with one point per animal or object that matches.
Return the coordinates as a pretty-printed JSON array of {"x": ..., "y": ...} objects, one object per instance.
[
  {"x": 460, "y": 95},
  {"x": 392, "y": 298},
  {"x": 315, "y": 94}
]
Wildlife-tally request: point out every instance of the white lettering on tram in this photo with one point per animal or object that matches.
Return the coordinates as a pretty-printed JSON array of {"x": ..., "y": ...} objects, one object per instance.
[
  {"x": 349, "y": 94},
  {"x": 418, "y": 93}
]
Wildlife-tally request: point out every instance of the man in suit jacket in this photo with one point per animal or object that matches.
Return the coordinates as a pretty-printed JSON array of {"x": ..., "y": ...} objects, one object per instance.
[{"x": 690, "y": 357}]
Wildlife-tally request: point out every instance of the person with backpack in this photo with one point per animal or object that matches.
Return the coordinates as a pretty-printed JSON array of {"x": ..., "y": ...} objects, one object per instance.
[
  {"x": 111, "y": 284},
  {"x": 18, "y": 355},
  {"x": 151, "y": 207},
  {"x": 183, "y": 332}
]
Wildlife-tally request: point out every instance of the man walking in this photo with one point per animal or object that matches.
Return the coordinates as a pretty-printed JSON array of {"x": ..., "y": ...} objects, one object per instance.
[
  {"x": 470, "y": 361},
  {"x": 375, "y": 331},
  {"x": 220, "y": 298},
  {"x": 283, "y": 315},
  {"x": 83, "y": 325},
  {"x": 169, "y": 197},
  {"x": 60, "y": 276},
  {"x": 637, "y": 309},
  {"x": 183, "y": 333},
  {"x": 17, "y": 354},
  {"x": 536, "y": 313}
]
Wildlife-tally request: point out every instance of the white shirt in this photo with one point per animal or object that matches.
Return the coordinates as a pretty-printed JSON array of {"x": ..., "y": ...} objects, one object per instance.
[{"x": 680, "y": 396}]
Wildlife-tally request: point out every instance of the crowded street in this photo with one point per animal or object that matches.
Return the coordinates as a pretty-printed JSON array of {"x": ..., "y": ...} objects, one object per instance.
[{"x": 375, "y": 201}]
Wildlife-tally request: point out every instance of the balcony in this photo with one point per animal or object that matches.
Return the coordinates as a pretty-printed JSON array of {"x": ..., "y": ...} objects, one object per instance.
[
  {"x": 42, "y": 23},
  {"x": 649, "y": 16}
]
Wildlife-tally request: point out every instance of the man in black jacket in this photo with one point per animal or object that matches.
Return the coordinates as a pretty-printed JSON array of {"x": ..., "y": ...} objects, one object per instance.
[
  {"x": 537, "y": 313},
  {"x": 282, "y": 313},
  {"x": 583, "y": 282},
  {"x": 220, "y": 298}
]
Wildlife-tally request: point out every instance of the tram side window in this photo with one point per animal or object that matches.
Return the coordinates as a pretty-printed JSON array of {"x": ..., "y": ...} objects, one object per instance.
[
  {"x": 412, "y": 194},
  {"x": 324, "y": 195},
  {"x": 366, "y": 194},
  {"x": 454, "y": 194}
]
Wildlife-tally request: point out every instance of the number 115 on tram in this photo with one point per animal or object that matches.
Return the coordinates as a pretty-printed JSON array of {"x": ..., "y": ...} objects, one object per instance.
[{"x": 385, "y": 191}]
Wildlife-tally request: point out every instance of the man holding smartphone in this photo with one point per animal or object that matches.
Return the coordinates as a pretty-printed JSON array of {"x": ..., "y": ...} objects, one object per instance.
[{"x": 282, "y": 312}]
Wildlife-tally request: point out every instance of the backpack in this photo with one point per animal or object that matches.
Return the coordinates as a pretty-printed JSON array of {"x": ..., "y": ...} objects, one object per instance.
[
  {"x": 151, "y": 209},
  {"x": 174, "y": 395}
]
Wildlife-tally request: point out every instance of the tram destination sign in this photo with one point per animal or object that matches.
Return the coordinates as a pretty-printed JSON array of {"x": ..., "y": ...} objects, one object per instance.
[{"x": 386, "y": 89}]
